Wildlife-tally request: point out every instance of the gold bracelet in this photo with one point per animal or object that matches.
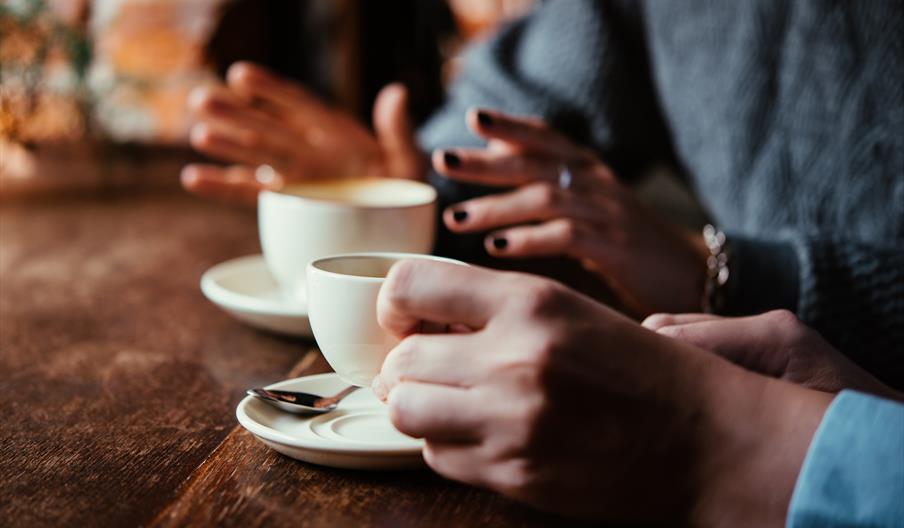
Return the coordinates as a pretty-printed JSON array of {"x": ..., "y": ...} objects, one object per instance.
[{"x": 716, "y": 270}]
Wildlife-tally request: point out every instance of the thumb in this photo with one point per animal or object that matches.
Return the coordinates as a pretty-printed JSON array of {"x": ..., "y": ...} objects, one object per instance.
[{"x": 395, "y": 133}]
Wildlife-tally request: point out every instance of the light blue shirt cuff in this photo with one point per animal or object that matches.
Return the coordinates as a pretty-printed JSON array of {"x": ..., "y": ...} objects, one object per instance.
[{"x": 853, "y": 474}]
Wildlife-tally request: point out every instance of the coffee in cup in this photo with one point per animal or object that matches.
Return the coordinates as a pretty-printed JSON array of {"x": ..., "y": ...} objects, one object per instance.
[
  {"x": 342, "y": 306},
  {"x": 308, "y": 220}
]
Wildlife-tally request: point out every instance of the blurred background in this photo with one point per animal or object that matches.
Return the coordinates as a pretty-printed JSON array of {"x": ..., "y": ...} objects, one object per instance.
[{"x": 93, "y": 92}]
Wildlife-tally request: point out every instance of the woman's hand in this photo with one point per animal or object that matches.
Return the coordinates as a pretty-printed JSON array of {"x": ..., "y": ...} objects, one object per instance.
[
  {"x": 776, "y": 344},
  {"x": 260, "y": 119},
  {"x": 585, "y": 213},
  {"x": 555, "y": 400}
]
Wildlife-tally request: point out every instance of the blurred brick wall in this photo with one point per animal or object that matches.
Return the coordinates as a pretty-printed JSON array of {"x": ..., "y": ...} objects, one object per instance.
[{"x": 39, "y": 69}]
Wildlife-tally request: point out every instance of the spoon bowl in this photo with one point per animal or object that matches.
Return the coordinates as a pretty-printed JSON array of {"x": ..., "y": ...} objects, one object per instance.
[{"x": 301, "y": 402}]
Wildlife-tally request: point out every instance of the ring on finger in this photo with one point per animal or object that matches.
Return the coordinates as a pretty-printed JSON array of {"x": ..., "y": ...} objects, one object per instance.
[
  {"x": 265, "y": 174},
  {"x": 566, "y": 178}
]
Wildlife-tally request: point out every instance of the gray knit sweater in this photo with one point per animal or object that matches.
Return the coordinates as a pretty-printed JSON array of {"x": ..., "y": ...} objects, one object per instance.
[{"x": 785, "y": 117}]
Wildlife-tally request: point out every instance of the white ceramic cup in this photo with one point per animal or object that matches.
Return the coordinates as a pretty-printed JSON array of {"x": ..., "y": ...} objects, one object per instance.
[
  {"x": 306, "y": 221},
  {"x": 342, "y": 306}
]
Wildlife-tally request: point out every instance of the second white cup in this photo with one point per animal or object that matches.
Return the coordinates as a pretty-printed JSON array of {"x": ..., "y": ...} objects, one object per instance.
[{"x": 306, "y": 221}]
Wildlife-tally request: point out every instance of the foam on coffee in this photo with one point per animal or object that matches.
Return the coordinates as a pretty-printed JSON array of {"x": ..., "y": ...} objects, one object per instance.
[{"x": 365, "y": 192}]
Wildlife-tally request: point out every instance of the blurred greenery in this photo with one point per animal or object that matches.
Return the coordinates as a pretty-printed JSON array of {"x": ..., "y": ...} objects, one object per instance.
[{"x": 35, "y": 22}]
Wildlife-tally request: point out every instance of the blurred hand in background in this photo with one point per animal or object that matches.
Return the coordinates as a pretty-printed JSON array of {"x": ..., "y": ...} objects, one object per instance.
[{"x": 258, "y": 119}]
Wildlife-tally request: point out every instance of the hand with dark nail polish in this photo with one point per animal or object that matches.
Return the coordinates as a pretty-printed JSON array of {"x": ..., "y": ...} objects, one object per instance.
[{"x": 555, "y": 195}]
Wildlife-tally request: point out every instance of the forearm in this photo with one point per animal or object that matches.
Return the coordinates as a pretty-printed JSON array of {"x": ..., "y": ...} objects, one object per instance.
[{"x": 759, "y": 431}]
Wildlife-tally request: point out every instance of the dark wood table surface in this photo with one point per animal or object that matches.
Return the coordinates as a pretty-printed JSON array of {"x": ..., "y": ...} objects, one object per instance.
[{"x": 119, "y": 381}]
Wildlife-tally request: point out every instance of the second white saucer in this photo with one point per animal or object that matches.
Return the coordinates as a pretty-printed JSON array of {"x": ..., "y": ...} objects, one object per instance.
[{"x": 244, "y": 288}]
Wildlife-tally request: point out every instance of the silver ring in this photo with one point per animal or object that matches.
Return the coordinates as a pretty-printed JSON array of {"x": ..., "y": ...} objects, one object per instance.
[
  {"x": 265, "y": 174},
  {"x": 566, "y": 179}
]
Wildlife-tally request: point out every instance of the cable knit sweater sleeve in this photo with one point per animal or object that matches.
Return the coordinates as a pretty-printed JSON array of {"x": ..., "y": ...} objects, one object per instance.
[
  {"x": 854, "y": 294},
  {"x": 851, "y": 292}
]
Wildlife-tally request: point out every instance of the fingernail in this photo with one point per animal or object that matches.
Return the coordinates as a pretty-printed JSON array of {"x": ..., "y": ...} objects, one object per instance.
[
  {"x": 667, "y": 331},
  {"x": 189, "y": 177},
  {"x": 197, "y": 98},
  {"x": 500, "y": 242},
  {"x": 379, "y": 389},
  {"x": 451, "y": 159},
  {"x": 460, "y": 215},
  {"x": 484, "y": 119}
]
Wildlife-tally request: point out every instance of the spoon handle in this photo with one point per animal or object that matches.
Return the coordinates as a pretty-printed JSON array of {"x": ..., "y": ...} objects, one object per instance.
[{"x": 336, "y": 398}]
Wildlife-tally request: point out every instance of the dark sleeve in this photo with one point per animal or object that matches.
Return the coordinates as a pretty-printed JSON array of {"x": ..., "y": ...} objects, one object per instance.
[
  {"x": 851, "y": 292},
  {"x": 579, "y": 64}
]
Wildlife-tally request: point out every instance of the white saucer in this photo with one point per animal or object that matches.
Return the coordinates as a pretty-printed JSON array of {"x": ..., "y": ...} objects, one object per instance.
[
  {"x": 244, "y": 288},
  {"x": 358, "y": 435}
]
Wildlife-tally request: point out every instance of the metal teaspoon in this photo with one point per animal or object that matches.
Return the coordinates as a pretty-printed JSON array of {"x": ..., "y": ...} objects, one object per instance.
[{"x": 301, "y": 402}]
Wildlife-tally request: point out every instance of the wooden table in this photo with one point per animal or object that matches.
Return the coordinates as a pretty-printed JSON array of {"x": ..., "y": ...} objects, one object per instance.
[{"x": 119, "y": 381}]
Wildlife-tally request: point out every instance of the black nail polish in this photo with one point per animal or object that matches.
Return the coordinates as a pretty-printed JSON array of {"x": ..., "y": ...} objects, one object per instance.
[
  {"x": 460, "y": 216},
  {"x": 484, "y": 119},
  {"x": 452, "y": 160},
  {"x": 500, "y": 243}
]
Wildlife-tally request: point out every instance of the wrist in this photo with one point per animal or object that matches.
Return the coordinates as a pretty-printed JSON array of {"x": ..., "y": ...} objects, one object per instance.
[
  {"x": 754, "y": 442},
  {"x": 696, "y": 272}
]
